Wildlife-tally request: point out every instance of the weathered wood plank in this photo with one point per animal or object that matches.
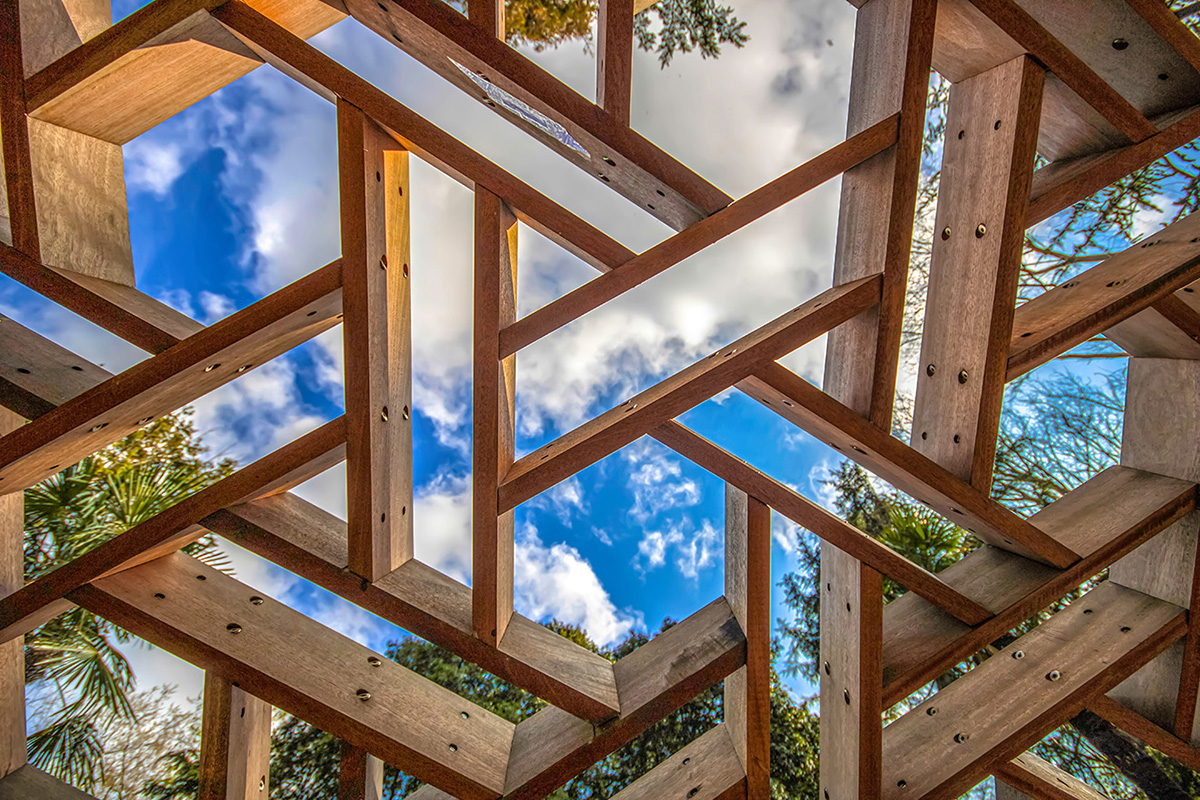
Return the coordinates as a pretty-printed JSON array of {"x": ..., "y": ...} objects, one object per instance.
[
  {"x": 1027, "y": 777},
  {"x": 1139, "y": 727},
  {"x": 1081, "y": 651},
  {"x": 235, "y": 743},
  {"x": 341, "y": 687},
  {"x": 705, "y": 769},
  {"x": 691, "y": 386},
  {"x": 12, "y": 653},
  {"x": 30, "y": 783}
]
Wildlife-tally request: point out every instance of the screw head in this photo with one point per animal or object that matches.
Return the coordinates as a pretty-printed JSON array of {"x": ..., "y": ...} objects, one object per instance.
[
  {"x": 960, "y": 737},
  {"x": 962, "y": 376},
  {"x": 931, "y": 711},
  {"x": 1019, "y": 654},
  {"x": 931, "y": 370},
  {"x": 1053, "y": 675},
  {"x": 1119, "y": 44},
  {"x": 363, "y": 695},
  {"x": 256, "y": 601},
  {"x": 374, "y": 661},
  {"x": 945, "y": 233},
  {"x": 233, "y": 628},
  {"x": 980, "y": 231}
]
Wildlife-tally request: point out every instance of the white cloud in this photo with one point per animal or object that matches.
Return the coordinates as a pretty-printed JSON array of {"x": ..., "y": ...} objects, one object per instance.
[
  {"x": 655, "y": 479},
  {"x": 565, "y": 499},
  {"x": 693, "y": 549}
]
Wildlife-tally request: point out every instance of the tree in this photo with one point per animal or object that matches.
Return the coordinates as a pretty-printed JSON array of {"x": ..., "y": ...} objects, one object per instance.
[
  {"x": 666, "y": 28},
  {"x": 72, "y": 662}
]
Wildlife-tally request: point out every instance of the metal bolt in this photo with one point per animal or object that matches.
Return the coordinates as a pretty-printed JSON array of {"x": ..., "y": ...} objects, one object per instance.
[
  {"x": 1018, "y": 655},
  {"x": 931, "y": 370},
  {"x": 234, "y": 628},
  {"x": 945, "y": 233},
  {"x": 1119, "y": 44},
  {"x": 453, "y": 748},
  {"x": 931, "y": 711},
  {"x": 1053, "y": 675},
  {"x": 363, "y": 694},
  {"x": 980, "y": 231},
  {"x": 256, "y": 601},
  {"x": 960, "y": 737},
  {"x": 962, "y": 376},
  {"x": 373, "y": 661},
  {"x": 903, "y": 784}
]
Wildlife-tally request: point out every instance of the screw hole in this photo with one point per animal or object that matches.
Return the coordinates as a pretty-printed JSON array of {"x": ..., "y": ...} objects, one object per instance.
[
  {"x": 234, "y": 628},
  {"x": 660, "y": 193},
  {"x": 23, "y": 371},
  {"x": 996, "y": 127},
  {"x": 1162, "y": 76},
  {"x": 256, "y": 601},
  {"x": 609, "y": 161},
  {"x": 160, "y": 596},
  {"x": 201, "y": 578},
  {"x": 374, "y": 661},
  {"x": 453, "y": 748},
  {"x": 1120, "y": 44},
  {"x": 846, "y": 696},
  {"x": 363, "y": 695},
  {"x": 211, "y": 367},
  {"x": 961, "y": 134},
  {"x": 465, "y": 715}
]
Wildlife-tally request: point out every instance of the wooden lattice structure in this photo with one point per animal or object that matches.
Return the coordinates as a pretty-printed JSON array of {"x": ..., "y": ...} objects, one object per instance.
[{"x": 1098, "y": 88}]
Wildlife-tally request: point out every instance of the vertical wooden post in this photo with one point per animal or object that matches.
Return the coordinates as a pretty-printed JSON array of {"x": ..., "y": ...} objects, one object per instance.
[
  {"x": 892, "y": 52},
  {"x": 488, "y": 15},
  {"x": 1162, "y": 419},
  {"x": 851, "y": 677},
  {"x": 987, "y": 167},
  {"x": 12, "y": 653},
  {"x": 360, "y": 776},
  {"x": 748, "y": 590},
  {"x": 14, "y": 136},
  {"x": 375, "y": 333},
  {"x": 235, "y": 743},
  {"x": 495, "y": 382},
  {"x": 614, "y": 58}
]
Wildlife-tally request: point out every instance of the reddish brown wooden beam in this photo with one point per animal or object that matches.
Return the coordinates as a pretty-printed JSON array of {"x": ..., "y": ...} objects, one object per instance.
[
  {"x": 360, "y": 775},
  {"x": 1107, "y": 517},
  {"x": 799, "y": 401},
  {"x": 809, "y": 515},
  {"x": 488, "y": 16},
  {"x": 669, "y": 252},
  {"x": 294, "y": 663},
  {"x": 312, "y": 543},
  {"x": 1189, "y": 671},
  {"x": 14, "y": 136},
  {"x": 235, "y": 743},
  {"x": 1069, "y": 68},
  {"x": 166, "y": 532},
  {"x": 426, "y": 140},
  {"x": 614, "y": 58},
  {"x": 218, "y": 354},
  {"x": 1138, "y": 726},
  {"x": 617, "y": 427},
  {"x": 1170, "y": 27}
]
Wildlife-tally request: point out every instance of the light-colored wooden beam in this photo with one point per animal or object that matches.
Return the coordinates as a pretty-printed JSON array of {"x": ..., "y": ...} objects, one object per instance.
[
  {"x": 748, "y": 589},
  {"x": 360, "y": 775},
  {"x": 12, "y": 653},
  {"x": 975, "y": 267},
  {"x": 377, "y": 352},
  {"x": 235, "y": 743},
  {"x": 37, "y": 375},
  {"x": 705, "y": 769},
  {"x": 1000, "y": 708},
  {"x": 494, "y": 411},
  {"x": 1028, "y": 777},
  {"x": 30, "y": 783}
]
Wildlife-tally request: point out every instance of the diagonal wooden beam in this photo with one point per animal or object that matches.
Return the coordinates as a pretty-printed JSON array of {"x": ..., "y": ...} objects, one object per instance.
[
  {"x": 30, "y": 783},
  {"x": 664, "y": 255},
  {"x": 209, "y": 359},
  {"x": 1170, "y": 27},
  {"x": 1139, "y": 727},
  {"x": 1027, "y": 777},
  {"x": 1000, "y": 708},
  {"x": 37, "y": 375},
  {"x": 292, "y": 662},
  {"x": 691, "y": 386},
  {"x": 34, "y": 603},
  {"x": 705, "y": 769}
]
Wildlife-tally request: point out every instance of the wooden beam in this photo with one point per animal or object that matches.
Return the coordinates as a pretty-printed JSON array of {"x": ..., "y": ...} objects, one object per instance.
[
  {"x": 30, "y": 783},
  {"x": 218, "y": 354},
  {"x": 1173, "y": 30},
  {"x": 488, "y": 16},
  {"x": 689, "y": 387},
  {"x": 851, "y": 673},
  {"x": 1189, "y": 671},
  {"x": 705, "y": 769},
  {"x": 360, "y": 776},
  {"x": 12, "y": 653},
  {"x": 1027, "y": 777},
  {"x": 747, "y": 705},
  {"x": 14, "y": 138},
  {"x": 37, "y": 375},
  {"x": 894, "y": 41},
  {"x": 614, "y": 58},
  {"x": 669, "y": 252},
  {"x": 808, "y": 514},
  {"x": 1113, "y": 291},
  {"x": 799, "y": 401},
  {"x": 377, "y": 346},
  {"x": 987, "y": 163},
  {"x": 32, "y": 604},
  {"x": 1148, "y": 732},
  {"x": 1081, "y": 651},
  {"x": 427, "y": 141},
  {"x": 235, "y": 743},
  {"x": 563, "y": 120},
  {"x": 292, "y": 662},
  {"x": 312, "y": 543},
  {"x": 494, "y": 411},
  {"x": 1105, "y": 518}
]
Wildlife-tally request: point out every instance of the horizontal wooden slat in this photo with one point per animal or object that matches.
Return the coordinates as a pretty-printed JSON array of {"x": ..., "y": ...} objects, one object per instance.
[
  {"x": 172, "y": 529},
  {"x": 30, "y": 783},
  {"x": 36, "y": 375},
  {"x": 429, "y": 142},
  {"x": 612, "y": 430},
  {"x": 1006, "y": 704},
  {"x": 443, "y": 39},
  {"x": 1039, "y": 778},
  {"x": 241, "y": 342},
  {"x": 706, "y": 769},
  {"x": 292, "y": 662},
  {"x": 688, "y": 242},
  {"x": 312, "y": 543},
  {"x": 552, "y": 746},
  {"x": 1108, "y": 293},
  {"x": 797, "y": 400},
  {"x": 804, "y": 512},
  {"x": 1139, "y": 727},
  {"x": 1105, "y": 518}
]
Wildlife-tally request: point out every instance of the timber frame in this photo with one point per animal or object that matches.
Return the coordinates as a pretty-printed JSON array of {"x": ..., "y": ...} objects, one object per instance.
[{"x": 1096, "y": 102}]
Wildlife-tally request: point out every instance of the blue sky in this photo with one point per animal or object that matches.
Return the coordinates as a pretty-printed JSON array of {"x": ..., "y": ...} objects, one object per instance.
[{"x": 236, "y": 197}]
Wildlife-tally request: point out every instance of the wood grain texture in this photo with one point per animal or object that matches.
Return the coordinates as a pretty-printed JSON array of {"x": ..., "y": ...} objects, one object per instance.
[
  {"x": 53, "y": 28},
  {"x": 312, "y": 543},
  {"x": 747, "y": 705},
  {"x": 378, "y": 473},
  {"x": 235, "y": 743},
  {"x": 30, "y": 783},
  {"x": 360, "y": 775},
  {"x": 605, "y": 147},
  {"x": 1189, "y": 672},
  {"x": 705, "y": 769},
  {"x": 1028, "y": 776},
  {"x": 1121, "y": 509},
  {"x": 1139, "y": 727},
  {"x": 851, "y": 673},
  {"x": 987, "y": 164},
  {"x": 37, "y": 375},
  {"x": 14, "y": 138},
  {"x": 612, "y": 430},
  {"x": 166, "y": 532},
  {"x": 408, "y": 720},
  {"x": 12, "y": 653},
  {"x": 614, "y": 58},
  {"x": 1101, "y": 297},
  {"x": 494, "y": 390},
  {"x": 220, "y": 353},
  {"x": 430, "y": 143},
  {"x": 892, "y": 52},
  {"x": 1065, "y": 661},
  {"x": 669, "y": 252},
  {"x": 833, "y": 423}
]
